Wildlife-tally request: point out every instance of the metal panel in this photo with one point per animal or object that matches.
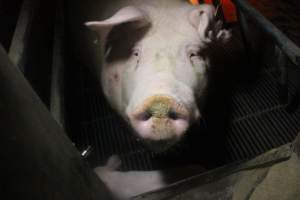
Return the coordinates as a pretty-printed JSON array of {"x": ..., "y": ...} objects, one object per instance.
[
  {"x": 57, "y": 77},
  {"x": 38, "y": 161},
  {"x": 17, "y": 50}
]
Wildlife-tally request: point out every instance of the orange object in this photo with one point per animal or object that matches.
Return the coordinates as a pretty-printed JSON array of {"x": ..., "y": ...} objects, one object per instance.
[
  {"x": 268, "y": 8},
  {"x": 194, "y": 2},
  {"x": 208, "y": 1},
  {"x": 228, "y": 8}
]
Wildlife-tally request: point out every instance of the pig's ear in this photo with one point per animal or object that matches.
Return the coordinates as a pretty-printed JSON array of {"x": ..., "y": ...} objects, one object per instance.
[
  {"x": 124, "y": 15},
  {"x": 210, "y": 30}
]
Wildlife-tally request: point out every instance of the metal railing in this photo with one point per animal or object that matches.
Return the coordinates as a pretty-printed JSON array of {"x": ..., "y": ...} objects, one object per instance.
[
  {"x": 285, "y": 48},
  {"x": 290, "y": 49}
]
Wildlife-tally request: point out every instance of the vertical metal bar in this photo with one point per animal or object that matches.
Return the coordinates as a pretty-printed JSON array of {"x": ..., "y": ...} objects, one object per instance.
[
  {"x": 295, "y": 101},
  {"x": 244, "y": 31},
  {"x": 283, "y": 80},
  {"x": 216, "y": 2},
  {"x": 17, "y": 50},
  {"x": 57, "y": 77}
]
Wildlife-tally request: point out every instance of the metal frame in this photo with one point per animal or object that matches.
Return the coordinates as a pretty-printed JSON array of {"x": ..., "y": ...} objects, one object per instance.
[
  {"x": 57, "y": 77},
  {"x": 38, "y": 161},
  {"x": 17, "y": 49},
  {"x": 284, "y": 46}
]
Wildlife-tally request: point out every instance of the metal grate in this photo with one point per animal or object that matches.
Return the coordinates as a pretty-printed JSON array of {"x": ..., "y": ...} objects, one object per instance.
[{"x": 258, "y": 123}]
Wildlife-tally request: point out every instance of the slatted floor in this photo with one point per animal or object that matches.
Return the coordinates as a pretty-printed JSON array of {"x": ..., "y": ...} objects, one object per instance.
[{"x": 258, "y": 123}]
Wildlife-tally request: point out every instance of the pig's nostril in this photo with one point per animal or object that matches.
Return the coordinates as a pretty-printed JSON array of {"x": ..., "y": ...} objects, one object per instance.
[
  {"x": 160, "y": 108},
  {"x": 145, "y": 116},
  {"x": 173, "y": 115}
]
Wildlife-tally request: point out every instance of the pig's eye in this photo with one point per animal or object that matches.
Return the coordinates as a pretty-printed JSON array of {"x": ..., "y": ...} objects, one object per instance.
[
  {"x": 136, "y": 57},
  {"x": 135, "y": 52},
  {"x": 197, "y": 61},
  {"x": 194, "y": 55}
]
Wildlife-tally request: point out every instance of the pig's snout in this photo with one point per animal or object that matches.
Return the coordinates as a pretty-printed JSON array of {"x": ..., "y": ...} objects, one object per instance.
[
  {"x": 162, "y": 108},
  {"x": 160, "y": 119}
]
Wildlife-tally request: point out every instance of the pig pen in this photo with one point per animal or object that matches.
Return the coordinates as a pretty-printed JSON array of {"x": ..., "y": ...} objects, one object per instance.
[{"x": 257, "y": 115}]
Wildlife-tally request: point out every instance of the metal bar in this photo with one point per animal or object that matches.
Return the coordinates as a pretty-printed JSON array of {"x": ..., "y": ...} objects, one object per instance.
[
  {"x": 294, "y": 103},
  {"x": 57, "y": 76},
  {"x": 283, "y": 80},
  {"x": 283, "y": 42},
  {"x": 244, "y": 30},
  {"x": 38, "y": 161},
  {"x": 17, "y": 50}
]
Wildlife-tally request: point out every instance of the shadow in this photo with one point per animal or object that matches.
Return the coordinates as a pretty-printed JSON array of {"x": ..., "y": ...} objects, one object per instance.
[
  {"x": 230, "y": 67},
  {"x": 121, "y": 41}
]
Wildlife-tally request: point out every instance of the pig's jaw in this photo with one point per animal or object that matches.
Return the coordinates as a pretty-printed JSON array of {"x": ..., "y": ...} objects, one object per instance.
[{"x": 160, "y": 134}]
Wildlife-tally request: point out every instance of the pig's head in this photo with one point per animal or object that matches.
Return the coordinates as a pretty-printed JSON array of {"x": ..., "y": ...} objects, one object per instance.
[{"x": 155, "y": 67}]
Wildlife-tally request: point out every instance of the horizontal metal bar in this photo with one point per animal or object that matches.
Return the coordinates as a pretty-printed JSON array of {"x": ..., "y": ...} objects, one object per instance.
[{"x": 284, "y": 43}]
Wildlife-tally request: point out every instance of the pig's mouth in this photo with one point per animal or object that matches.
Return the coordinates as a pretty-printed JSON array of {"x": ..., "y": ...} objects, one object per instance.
[
  {"x": 164, "y": 146},
  {"x": 160, "y": 146},
  {"x": 160, "y": 139},
  {"x": 160, "y": 134},
  {"x": 160, "y": 122}
]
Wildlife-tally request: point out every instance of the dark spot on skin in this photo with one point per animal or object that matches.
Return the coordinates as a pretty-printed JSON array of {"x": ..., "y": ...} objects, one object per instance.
[
  {"x": 116, "y": 77},
  {"x": 137, "y": 64}
]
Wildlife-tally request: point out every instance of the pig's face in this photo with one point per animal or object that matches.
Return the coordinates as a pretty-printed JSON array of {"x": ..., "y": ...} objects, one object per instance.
[{"x": 154, "y": 71}]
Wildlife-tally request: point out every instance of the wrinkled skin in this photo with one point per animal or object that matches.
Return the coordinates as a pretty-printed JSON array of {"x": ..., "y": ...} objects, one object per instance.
[{"x": 155, "y": 63}]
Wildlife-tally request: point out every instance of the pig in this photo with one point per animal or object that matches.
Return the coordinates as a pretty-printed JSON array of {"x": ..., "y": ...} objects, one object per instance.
[
  {"x": 125, "y": 185},
  {"x": 154, "y": 64}
]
